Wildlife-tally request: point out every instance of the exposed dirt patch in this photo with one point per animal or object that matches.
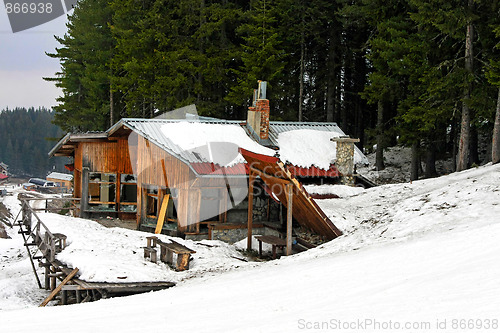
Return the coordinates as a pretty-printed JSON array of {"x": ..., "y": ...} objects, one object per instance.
[
  {"x": 117, "y": 223},
  {"x": 5, "y": 216}
]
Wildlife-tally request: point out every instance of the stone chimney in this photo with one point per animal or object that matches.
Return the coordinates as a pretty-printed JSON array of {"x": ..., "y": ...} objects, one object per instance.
[
  {"x": 345, "y": 159},
  {"x": 258, "y": 113}
]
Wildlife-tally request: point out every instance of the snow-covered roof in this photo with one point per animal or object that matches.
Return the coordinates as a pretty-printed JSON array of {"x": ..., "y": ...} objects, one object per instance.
[
  {"x": 308, "y": 147},
  {"x": 60, "y": 176},
  {"x": 199, "y": 140},
  {"x": 210, "y": 140},
  {"x": 214, "y": 143},
  {"x": 4, "y": 166}
]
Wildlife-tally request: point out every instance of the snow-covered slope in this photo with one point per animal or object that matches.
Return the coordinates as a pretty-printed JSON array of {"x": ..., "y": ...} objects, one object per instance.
[{"x": 420, "y": 257}]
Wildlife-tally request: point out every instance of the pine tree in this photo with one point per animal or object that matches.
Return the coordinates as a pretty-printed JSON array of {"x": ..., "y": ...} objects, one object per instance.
[
  {"x": 85, "y": 76},
  {"x": 261, "y": 55}
]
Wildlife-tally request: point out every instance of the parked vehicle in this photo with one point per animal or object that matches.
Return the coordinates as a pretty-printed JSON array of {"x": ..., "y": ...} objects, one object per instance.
[{"x": 42, "y": 182}]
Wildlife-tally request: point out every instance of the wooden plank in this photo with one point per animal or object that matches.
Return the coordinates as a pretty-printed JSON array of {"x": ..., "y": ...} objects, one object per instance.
[
  {"x": 226, "y": 226},
  {"x": 176, "y": 247},
  {"x": 275, "y": 178},
  {"x": 59, "y": 287},
  {"x": 289, "y": 219},
  {"x": 273, "y": 240},
  {"x": 163, "y": 214}
]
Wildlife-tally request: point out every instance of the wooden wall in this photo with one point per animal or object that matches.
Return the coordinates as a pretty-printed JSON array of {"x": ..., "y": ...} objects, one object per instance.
[
  {"x": 114, "y": 157},
  {"x": 101, "y": 156},
  {"x": 177, "y": 175},
  {"x": 104, "y": 156}
]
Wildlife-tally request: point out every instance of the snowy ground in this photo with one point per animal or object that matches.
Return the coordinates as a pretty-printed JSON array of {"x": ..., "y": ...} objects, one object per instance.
[
  {"x": 419, "y": 257},
  {"x": 397, "y": 166}
]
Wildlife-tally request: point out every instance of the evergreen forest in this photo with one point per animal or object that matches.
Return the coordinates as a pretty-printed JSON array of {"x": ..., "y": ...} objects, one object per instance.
[
  {"x": 27, "y": 135},
  {"x": 422, "y": 73}
]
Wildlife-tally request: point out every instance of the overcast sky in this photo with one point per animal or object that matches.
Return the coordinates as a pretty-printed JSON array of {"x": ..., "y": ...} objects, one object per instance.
[{"x": 23, "y": 63}]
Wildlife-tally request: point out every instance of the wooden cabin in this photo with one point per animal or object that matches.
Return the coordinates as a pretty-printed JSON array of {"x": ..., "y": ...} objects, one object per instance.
[
  {"x": 143, "y": 169},
  {"x": 103, "y": 177},
  {"x": 135, "y": 170}
]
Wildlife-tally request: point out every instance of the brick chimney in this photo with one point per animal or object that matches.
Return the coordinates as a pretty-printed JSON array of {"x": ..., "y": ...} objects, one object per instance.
[{"x": 258, "y": 113}]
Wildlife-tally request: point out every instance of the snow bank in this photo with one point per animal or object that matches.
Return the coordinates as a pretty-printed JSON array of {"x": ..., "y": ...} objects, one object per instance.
[
  {"x": 222, "y": 141},
  {"x": 305, "y": 148}
]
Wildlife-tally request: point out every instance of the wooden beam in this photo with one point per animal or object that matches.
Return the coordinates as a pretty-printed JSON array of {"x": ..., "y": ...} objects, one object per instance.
[
  {"x": 164, "y": 170},
  {"x": 163, "y": 214},
  {"x": 251, "y": 179},
  {"x": 59, "y": 287},
  {"x": 289, "y": 219},
  {"x": 268, "y": 176}
]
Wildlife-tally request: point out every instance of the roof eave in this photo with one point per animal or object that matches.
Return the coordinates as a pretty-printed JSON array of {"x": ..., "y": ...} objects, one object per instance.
[{"x": 58, "y": 146}]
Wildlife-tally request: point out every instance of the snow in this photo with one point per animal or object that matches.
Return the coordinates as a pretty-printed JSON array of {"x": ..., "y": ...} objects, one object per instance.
[
  {"x": 423, "y": 254},
  {"x": 397, "y": 162},
  {"x": 341, "y": 191},
  {"x": 305, "y": 148},
  {"x": 222, "y": 141}
]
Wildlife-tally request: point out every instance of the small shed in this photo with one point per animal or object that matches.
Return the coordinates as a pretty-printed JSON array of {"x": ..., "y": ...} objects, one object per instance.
[
  {"x": 4, "y": 168},
  {"x": 29, "y": 186},
  {"x": 62, "y": 180}
]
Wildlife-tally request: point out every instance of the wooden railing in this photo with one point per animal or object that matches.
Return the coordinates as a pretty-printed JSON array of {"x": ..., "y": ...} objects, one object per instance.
[
  {"x": 48, "y": 243},
  {"x": 74, "y": 204}
]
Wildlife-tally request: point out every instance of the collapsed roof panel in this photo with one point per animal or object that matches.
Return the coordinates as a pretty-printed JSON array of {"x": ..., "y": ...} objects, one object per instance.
[{"x": 304, "y": 209}]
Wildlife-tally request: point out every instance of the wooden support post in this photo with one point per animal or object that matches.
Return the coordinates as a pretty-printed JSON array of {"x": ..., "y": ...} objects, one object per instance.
[
  {"x": 52, "y": 282},
  {"x": 84, "y": 202},
  {"x": 56, "y": 290},
  {"x": 64, "y": 297},
  {"x": 118, "y": 192},
  {"x": 183, "y": 261},
  {"x": 289, "y": 219},
  {"x": 47, "y": 278},
  {"x": 251, "y": 178}
]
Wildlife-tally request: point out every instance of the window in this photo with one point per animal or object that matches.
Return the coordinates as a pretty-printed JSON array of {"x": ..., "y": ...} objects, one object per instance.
[
  {"x": 128, "y": 193},
  {"x": 102, "y": 191},
  {"x": 152, "y": 202}
]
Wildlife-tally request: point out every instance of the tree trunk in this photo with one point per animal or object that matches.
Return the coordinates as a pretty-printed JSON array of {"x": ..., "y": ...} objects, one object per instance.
[
  {"x": 430, "y": 161},
  {"x": 301, "y": 82},
  {"x": 111, "y": 106},
  {"x": 474, "y": 145},
  {"x": 495, "y": 149},
  {"x": 453, "y": 143},
  {"x": 415, "y": 161},
  {"x": 332, "y": 77},
  {"x": 330, "y": 93},
  {"x": 464, "y": 145},
  {"x": 379, "y": 156}
]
